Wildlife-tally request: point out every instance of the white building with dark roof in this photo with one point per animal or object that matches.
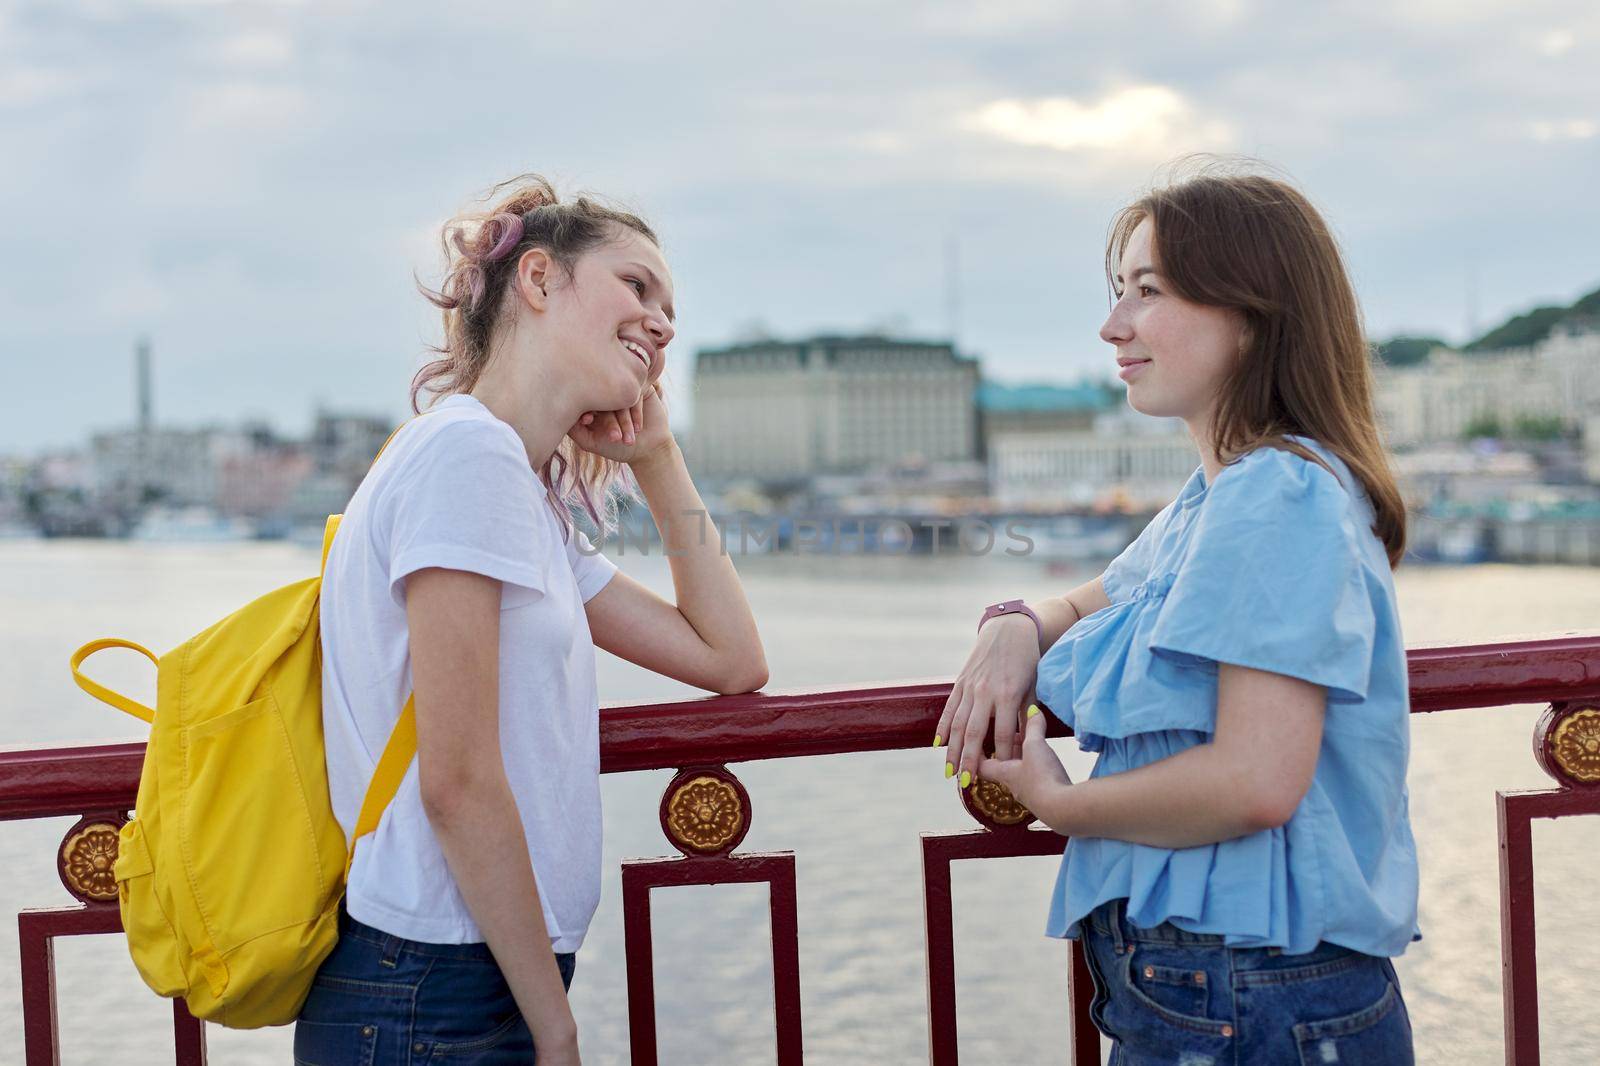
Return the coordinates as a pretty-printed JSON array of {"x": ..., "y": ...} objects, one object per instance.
[{"x": 792, "y": 409}]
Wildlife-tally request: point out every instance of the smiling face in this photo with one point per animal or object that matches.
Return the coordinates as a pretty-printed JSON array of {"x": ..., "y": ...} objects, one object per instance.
[
  {"x": 612, "y": 320},
  {"x": 1173, "y": 353}
]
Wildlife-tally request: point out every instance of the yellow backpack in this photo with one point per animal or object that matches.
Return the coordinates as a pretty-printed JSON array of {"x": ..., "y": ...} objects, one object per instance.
[{"x": 230, "y": 873}]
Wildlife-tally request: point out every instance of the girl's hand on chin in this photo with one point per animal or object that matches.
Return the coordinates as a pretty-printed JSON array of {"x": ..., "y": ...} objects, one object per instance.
[{"x": 628, "y": 435}]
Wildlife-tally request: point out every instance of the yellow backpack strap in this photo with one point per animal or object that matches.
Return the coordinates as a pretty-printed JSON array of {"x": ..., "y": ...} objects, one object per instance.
[
  {"x": 391, "y": 770},
  {"x": 99, "y": 691},
  {"x": 328, "y": 532}
]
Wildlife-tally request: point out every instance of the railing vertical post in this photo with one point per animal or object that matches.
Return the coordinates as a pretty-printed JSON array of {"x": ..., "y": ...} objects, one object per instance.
[
  {"x": 784, "y": 908},
  {"x": 40, "y": 1047},
  {"x": 1518, "y": 956},
  {"x": 1085, "y": 1036},
  {"x": 188, "y": 1035},
  {"x": 776, "y": 870},
  {"x": 639, "y": 952},
  {"x": 36, "y": 933},
  {"x": 939, "y": 913},
  {"x": 705, "y": 813},
  {"x": 939, "y": 851}
]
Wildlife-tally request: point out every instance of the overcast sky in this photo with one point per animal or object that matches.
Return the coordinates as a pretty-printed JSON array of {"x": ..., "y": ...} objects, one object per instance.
[{"x": 252, "y": 184}]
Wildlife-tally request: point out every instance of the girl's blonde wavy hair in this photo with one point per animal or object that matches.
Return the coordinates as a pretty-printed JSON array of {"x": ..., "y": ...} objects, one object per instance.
[{"x": 481, "y": 249}]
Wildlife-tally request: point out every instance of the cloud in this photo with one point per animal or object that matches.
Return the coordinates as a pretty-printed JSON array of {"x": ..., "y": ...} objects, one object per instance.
[
  {"x": 1557, "y": 42},
  {"x": 256, "y": 48},
  {"x": 1149, "y": 120},
  {"x": 1006, "y": 19},
  {"x": 1569, "y": 129},
  {"x": 248, "y": 105},
  {"x": 274, "y": 173},
  {"x": 132, "y": 298},
  {"x": 232, "y": 4},
  {"x": 24, "y": 87},
  {"x": 996, "y": 17},
  {"x": 1451, "y": 13}
]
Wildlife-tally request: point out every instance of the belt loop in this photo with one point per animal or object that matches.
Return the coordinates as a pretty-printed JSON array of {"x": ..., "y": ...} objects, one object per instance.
[
  {"x": 1118, "y": 942},
  {"x": 392, "y": 946}
]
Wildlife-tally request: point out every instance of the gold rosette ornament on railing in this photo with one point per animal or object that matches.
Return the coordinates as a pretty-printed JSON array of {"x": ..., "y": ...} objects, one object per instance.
[
  {"x": 85, "y": 861},
  {"x": 705, "y": 811},
  {"x": 1574, "y": 745}
]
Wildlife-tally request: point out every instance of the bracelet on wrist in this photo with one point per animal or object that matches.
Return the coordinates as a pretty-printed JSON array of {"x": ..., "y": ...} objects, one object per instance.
[{"x": 999, "y": 610}]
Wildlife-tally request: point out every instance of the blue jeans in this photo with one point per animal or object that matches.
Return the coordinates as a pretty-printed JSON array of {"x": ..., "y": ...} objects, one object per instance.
[
  {"x": 379, "y": 1000},
  {"x": 1166, "y": 996}
]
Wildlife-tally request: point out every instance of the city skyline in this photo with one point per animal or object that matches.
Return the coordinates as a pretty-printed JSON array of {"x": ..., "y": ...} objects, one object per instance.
[
  {"x": 253, "y": 186},
  {"x": 144, "y": 401}
]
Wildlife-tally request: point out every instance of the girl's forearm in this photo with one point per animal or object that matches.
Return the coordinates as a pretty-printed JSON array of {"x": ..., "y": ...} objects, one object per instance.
[
  {"x": 481, "y": 834},
  {"x": 1196, "y": 797},
  {"x": 706, "y": 587},
  {"x": 1056, "y": 616}
]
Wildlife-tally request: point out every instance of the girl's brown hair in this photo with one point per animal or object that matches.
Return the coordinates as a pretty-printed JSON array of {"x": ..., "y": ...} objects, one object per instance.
[
  {"x": 481, "y": 249},
  {"x": 1256, "y": 245}
]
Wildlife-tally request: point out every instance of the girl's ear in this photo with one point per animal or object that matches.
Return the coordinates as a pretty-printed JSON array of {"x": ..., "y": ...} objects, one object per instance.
[{"x": 533, "y": 277}]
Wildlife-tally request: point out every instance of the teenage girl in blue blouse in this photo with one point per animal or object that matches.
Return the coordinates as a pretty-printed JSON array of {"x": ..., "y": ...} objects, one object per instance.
[{"x": 1240, "y": 864}]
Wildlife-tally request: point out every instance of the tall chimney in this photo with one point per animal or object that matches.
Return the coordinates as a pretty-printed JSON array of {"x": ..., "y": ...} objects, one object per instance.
[{"x": 146, "y": 402}]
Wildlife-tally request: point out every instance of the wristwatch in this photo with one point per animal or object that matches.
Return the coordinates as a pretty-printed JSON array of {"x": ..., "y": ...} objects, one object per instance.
[{"x": 995, "y": 610}]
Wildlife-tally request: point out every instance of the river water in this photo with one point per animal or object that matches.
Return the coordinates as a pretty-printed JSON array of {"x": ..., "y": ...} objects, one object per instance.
[{"x": 853, "y": 821}]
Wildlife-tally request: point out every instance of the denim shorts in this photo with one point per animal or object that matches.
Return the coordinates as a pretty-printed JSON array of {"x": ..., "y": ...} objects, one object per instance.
[
  {"x": 1166, "y": 996},
  {"x": 380, "y": 1000}
]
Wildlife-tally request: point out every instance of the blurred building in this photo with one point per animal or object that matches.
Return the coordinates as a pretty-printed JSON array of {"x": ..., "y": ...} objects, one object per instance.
[
  {"x": 792, "y": 409},
  {"x": 347, "y": 444},
  {"x": 262, "y": 483},
  {"x": 180, "y": 467},
  {"x": 246, "y": 472},
  {"x": 14, "y": 477},
  {"x": 1120, "y": 460},
  {"x": 1006, "y": 411},
  {"x": 341, "y": 449},
  {"x": 1440, "y": 398},
  {"x": 1591, "y": 448}
]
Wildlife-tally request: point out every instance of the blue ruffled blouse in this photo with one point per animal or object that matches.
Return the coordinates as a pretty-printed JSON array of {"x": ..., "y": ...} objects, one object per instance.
[{"x": 1274, "y": 567}]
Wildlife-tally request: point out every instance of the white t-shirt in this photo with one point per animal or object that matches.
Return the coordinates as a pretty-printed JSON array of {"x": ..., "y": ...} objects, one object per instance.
[{"x": 454, "y": 490}]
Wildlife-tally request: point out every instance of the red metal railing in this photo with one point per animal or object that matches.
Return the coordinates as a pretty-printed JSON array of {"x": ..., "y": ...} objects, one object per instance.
[{"x": 705, "y": 812}]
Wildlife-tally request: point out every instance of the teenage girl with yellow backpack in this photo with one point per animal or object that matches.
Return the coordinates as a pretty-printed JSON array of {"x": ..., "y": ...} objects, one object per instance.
[{"x": 458, "y": 574}]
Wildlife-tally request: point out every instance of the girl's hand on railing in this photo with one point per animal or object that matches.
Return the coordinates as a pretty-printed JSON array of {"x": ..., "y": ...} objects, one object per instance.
[
  {"x": 1037, "y": 780},
  {"x": 995, "y": 685}
]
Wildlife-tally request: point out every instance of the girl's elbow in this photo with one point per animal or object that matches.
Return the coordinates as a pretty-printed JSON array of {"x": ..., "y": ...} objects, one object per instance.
[
  {"x": 755, "y": 680},
  {"x": 1270, "y": 808},
  {"x": 447, "y": 792},
  {"x": 441, "y": 797},
  {"x": 745, "y": 676}
]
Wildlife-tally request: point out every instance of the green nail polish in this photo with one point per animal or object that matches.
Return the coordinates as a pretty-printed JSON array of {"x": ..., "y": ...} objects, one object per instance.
[
  {"x": 966, "y": 778},
  {"x": 949, "y": 771},
  {"x": 938, "y": 741},
  {"x": 1032, "y": 710}
]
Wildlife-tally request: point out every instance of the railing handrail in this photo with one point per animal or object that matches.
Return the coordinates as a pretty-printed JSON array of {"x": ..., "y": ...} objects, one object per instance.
[{"x": 52, "y": 781}]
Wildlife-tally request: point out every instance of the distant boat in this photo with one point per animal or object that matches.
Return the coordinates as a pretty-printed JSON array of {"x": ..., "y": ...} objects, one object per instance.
[
  {"x": 1076, "y": 539},
  {"x": 191, "y": 525},
  {"x": 1455, "y": 541}
]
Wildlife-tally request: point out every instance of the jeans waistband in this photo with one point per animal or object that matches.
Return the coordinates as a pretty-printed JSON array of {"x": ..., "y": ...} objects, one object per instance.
[
  {"x": 1111, "y": 919},
  {"x": 393, "y": 946}
]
